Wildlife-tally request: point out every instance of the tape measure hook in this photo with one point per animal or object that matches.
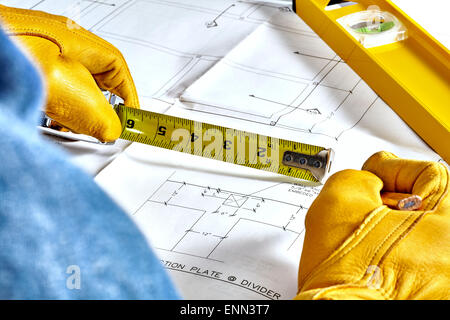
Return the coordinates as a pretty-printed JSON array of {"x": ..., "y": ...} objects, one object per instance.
[{"x": 319, "y": 164}]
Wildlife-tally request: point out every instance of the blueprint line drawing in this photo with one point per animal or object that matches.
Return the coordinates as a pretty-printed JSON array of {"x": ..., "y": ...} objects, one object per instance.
[
  {"x": 216, "y": 205},
  {"x": 207, "y": 221},
  {"x": 184, "y": 55},
  {"x": 173, "y": 60},
  {"x": 318, "y": 87},
  {"x": 223, "y": 230}
]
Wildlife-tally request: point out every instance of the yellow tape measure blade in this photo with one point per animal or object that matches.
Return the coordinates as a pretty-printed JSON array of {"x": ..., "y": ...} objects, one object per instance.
[{"x": 294, "y": 159}]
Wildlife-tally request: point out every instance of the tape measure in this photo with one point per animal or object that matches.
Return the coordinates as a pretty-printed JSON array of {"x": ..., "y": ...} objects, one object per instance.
[
  {"x": 294, "y": 159},
  {"x": 289, "y": 158}
]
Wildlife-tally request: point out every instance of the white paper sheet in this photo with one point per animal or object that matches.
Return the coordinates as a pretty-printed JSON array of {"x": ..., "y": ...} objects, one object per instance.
[
  {"x": 167, "y": 44},
  {"x": 222, "y": 231},
  {"x": 225, "y": 231}
]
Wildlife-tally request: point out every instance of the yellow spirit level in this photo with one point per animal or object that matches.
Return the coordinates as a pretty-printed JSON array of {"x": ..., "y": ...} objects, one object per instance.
[{"x": 408, "y": 69}]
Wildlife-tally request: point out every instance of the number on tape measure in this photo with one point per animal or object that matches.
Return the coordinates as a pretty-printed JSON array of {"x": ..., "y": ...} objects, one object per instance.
[{"x": 244, "y": 148}]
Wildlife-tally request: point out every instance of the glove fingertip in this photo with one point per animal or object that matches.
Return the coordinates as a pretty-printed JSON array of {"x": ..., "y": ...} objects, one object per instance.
[
  {"x": 374, "y": 161},
  {"x": 109, "y": 130}
]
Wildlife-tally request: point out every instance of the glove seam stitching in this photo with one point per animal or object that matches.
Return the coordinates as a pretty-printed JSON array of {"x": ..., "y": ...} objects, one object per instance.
[
  {"x": 437, "y": 191},
  {"x": 418, "y": 217},
  {"x": 354, "y": 240},
  {"x": 387, "y": 237},
  {"x": 415, "y": 222},
  {"x": 397, "y": 242},
  {"x": 34, "y": 33},
  {"x": 380, "y": 290}
]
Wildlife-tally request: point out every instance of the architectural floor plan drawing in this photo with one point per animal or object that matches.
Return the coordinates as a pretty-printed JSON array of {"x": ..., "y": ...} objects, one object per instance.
[
  {"x": 230, "y": 209},
  {"x": 216, "y": 233},
  {"x": 288, "y": 77},
  {"x": 223, "y": 230},
  {"x": 203, "y": 32}
]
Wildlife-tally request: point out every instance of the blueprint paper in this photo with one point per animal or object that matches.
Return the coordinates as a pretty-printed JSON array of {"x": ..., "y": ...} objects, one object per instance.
[
  {"x": 283, "y": 76},
  {"x": 167, "y": 45},
  {"x": 221, "y": 231},
  {"x": 225, "y": 231}
]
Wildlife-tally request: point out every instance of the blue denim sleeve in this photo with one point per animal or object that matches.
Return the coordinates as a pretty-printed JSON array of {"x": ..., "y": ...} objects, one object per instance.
[{"x": 61, "y": 237}]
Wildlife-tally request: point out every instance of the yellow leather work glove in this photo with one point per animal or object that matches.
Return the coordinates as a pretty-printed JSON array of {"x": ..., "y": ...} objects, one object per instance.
[
  {"x": 75, "y": 63},
  {"x": 357, "y": 248}
]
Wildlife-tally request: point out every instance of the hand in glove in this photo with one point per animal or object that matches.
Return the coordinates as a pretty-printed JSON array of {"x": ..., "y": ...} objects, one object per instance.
[
  {"x": 75, "y": 63},
  {"x": 357, "y": 248}
]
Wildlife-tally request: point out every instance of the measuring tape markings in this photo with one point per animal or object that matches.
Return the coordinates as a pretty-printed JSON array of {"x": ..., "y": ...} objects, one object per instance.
[{"x": 294, "y": 159}]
